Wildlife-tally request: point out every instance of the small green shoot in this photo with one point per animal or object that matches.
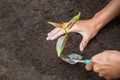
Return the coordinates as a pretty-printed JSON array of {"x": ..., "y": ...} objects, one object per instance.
[
  {"x": 61, "y": 44},
  {"x": 63, "y": 39},
  {"x": 73, "y": 21},
  {"x": 55, "y": 24}
]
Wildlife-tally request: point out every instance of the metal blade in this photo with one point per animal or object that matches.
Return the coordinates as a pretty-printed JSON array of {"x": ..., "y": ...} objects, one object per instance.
[{"x": 71, "y": 58}]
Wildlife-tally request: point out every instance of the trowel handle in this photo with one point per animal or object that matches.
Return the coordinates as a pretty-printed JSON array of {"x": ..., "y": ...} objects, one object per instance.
[{"x": 87, "y": 61}]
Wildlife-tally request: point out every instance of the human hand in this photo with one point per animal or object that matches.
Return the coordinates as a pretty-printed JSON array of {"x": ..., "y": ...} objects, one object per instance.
[
  {"x": 86, "y": 28},
  {"x": 106, "y": 64}
]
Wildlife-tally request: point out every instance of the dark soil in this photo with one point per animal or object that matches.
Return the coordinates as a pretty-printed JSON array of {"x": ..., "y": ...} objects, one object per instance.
[{"x": 26, "y": 55}]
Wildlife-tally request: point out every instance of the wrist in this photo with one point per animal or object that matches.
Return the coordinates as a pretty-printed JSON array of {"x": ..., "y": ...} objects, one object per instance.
[{"x": 97, "y": 24}]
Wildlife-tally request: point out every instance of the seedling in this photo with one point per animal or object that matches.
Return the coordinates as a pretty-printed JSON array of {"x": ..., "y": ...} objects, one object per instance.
[{"x": 63, "y": 39}]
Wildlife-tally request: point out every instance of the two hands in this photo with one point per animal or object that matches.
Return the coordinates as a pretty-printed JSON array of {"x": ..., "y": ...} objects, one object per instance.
[{"x": 106, "y": 64}]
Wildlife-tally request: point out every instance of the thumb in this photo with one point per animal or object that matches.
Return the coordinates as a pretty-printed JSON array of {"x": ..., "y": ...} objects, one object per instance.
[
  {"x": 84, "y": 42},
  {"x": 89, "y": 66}
]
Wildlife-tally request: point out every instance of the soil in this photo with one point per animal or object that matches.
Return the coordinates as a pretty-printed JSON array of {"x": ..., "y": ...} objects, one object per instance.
[{"x": 26, "y": 55}]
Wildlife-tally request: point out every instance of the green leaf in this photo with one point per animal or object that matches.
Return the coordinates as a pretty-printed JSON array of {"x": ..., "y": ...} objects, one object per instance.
[
  {"x": 63, "y": 39},
  {"x": 64, "y": 27},
  {"x": 73, "y": 21},
  {"x": 55, "y": 24},
  {"x": 61, "y": 44}
]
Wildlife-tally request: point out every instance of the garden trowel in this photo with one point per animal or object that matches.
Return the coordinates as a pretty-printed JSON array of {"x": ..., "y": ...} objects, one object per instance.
[{"x": 74, "y": 58}]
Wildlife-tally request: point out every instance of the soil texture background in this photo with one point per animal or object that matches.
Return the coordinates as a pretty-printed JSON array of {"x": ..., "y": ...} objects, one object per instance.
[{"x": 26, "y": 55}]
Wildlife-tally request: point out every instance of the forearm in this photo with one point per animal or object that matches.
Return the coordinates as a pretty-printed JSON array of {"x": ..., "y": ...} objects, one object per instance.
[{"x": 107, "y": 14}]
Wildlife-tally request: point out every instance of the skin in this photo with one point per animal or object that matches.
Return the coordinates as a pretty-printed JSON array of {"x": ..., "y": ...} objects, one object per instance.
[
  {"x": 106, "y": 64},
  {"x": 88, "y": 29}
]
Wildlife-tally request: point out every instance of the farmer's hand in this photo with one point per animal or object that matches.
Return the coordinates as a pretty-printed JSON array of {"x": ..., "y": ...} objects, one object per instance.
[
  {"x": 106, "y": 64},
  {"x": 89, "y": 28},
  {"x": 84, "y": 27}
]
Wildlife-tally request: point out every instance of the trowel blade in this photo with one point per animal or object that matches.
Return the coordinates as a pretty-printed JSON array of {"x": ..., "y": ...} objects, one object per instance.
[{"x": 71, "y": 58}]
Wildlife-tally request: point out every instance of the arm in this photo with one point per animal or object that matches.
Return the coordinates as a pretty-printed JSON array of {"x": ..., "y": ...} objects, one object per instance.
[
  {"x": 107, "y": 63},
  {"x": 107, "y": 14}
]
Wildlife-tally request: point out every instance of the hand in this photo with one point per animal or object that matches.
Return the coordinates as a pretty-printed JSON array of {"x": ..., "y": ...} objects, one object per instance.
[
  {"x": 86, "y": 28},
  {"x": 106, "y": 64},
  {"x": 89, "y": 28}
]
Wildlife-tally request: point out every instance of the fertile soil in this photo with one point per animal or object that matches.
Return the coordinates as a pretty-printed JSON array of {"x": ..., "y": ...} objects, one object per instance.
[{"x": 26, "y": 55}]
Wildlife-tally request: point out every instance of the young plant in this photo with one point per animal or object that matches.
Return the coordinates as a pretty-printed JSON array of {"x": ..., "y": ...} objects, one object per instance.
[{"x": 63, "y": 39}]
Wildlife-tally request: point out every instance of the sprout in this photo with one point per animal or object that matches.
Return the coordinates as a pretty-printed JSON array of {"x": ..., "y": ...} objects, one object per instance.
[
  {"x": 61, "y": 44},
  {"x": 63, "y": 39},
  {"x": 55, "y": 24}
]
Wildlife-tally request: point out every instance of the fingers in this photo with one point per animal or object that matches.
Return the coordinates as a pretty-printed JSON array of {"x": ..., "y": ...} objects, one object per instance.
[
  {"x": 89, "y": 66},
  {"x": 92, "y": 66},
  {"x": 104, "y": 76},
  {"x": 55, "y": 34},
  {"x": 53, "y": 31},
  {"x": 84, "y": 43},
  {"x": 101, "y": 75},
  {"x": 96, "y": 68}
]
